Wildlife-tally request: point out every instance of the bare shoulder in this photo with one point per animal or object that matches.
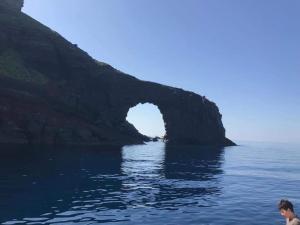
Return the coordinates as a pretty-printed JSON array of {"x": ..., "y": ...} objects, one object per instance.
[{"x": 295, "y": 221}]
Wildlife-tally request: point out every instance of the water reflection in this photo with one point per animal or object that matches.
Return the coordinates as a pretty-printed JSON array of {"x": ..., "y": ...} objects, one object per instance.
[
  {"x": 105, "y": 184},
  {"x": 165, "y": 176},
  {"x": 193, "y": 162},
  {"x": 193, "y": 175},
  {"x": 44, "y": 183},
  {"x": 142, "y": 169}
]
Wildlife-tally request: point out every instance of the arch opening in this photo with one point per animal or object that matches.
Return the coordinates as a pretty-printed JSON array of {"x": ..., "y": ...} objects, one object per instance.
[{"x": 147, "y": 119}]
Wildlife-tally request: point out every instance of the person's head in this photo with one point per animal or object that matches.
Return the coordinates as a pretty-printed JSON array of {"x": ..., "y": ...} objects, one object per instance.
[{"x": 286, "y": 208}]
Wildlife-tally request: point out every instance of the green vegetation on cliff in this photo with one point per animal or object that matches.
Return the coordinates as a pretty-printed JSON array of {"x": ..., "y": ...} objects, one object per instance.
[
  {"x": 53, "y": 92},
  {"x": 12, "y": 65}
]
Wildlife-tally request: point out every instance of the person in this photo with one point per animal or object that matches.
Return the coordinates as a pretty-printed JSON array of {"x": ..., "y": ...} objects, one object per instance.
[{"x": 286, "y": 209}]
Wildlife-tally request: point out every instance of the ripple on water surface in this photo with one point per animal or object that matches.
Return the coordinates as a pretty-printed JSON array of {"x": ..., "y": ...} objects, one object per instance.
[{"x": 149, "y": 184}]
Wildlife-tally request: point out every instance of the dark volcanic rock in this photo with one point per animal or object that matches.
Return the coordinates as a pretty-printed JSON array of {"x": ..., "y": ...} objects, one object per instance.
[
  {"x": 53, "y": 92},
  {"x": 12, "y": 4}
]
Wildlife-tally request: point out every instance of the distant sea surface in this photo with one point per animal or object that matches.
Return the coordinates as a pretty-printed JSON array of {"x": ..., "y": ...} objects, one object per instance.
[{"x": 149, "y": 184}]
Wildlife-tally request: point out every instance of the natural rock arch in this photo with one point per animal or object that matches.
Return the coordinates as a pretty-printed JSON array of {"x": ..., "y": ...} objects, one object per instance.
[
  {"x": 69, "y": 97},
  {"x": 189, "y": 118}
]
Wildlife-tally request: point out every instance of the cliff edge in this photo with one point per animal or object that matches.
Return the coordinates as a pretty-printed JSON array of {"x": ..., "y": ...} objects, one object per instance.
[{"x": 51, "y": 92}]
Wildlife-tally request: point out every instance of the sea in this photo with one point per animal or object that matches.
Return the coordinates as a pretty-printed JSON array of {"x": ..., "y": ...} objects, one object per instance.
[{"x": 148, "y": 184}]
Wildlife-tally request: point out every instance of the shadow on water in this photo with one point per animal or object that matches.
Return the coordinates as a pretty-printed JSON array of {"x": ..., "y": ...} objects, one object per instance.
[
  {"x": 193, "y": 162},
  {"x": 191, "y": 171},
  {"x": 105, "y": 184},
  {"x": 39, "y": 180}
]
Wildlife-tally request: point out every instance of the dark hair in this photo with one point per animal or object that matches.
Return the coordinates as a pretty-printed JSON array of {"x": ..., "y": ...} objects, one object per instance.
[{"x": 285, "y": 204}]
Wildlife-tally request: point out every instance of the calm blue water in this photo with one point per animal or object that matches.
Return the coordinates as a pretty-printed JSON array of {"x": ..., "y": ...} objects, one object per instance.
[{"x": 149, "y": 184}]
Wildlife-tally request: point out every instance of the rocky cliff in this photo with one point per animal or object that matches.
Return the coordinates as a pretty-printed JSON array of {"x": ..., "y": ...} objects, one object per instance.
[
  {"x": 53, "y": 92},
  {"x": 12, "y": 4}
]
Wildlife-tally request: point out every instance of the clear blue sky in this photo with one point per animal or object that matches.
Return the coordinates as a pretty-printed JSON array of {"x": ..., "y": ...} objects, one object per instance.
[{"x": 243, "y": 55}]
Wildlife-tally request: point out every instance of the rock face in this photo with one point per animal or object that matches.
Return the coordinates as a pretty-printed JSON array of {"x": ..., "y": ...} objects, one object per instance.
[
  {"x": 12, "y": 4},
  {"x": 53, "y": 92}
]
